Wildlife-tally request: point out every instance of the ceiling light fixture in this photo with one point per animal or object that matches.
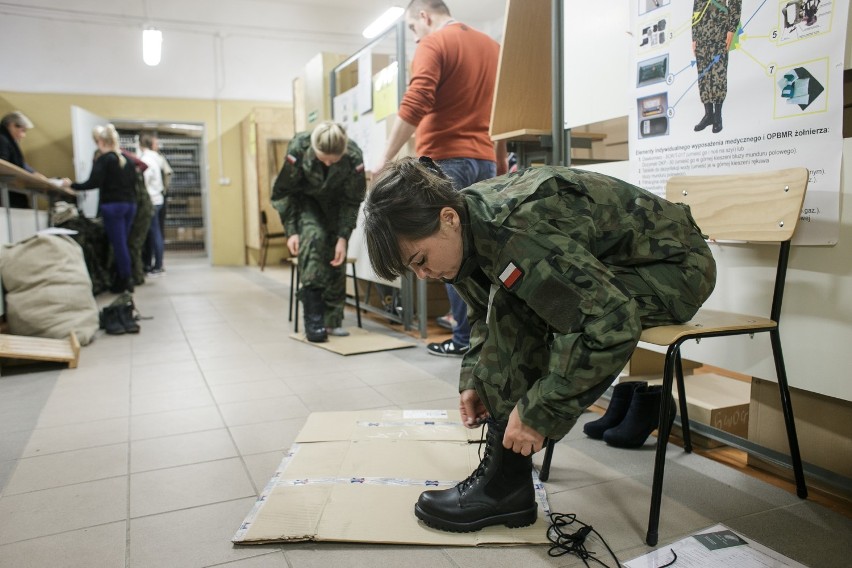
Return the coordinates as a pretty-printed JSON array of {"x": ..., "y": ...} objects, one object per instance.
[
  {"x": 152, "y": 46},
  {"x": 383, "y": 22}
]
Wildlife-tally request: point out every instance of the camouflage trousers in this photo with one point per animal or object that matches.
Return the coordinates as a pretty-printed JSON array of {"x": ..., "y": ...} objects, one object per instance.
[
  {"x": 709, "y": 34},
  {"x": 316, "y": 250},
  {"x": 516, "y": 351}
]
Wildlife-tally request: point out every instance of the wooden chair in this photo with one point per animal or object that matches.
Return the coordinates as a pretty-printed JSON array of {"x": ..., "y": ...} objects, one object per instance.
[
  {"x": 295, "y": 284},
  {"x": 759, "y": 208},
  {"x": 265, "y": 237}
]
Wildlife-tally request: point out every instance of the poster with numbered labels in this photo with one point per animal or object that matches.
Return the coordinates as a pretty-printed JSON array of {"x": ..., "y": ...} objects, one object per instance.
[{"x": 727, "y": 86}]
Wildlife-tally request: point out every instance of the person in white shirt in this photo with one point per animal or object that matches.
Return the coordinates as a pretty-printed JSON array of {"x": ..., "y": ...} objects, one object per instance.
[{"x": 154, "y": 183}]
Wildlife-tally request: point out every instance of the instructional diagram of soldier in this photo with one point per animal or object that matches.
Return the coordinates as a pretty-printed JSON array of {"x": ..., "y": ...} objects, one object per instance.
[{"x": 561, "y": 270}]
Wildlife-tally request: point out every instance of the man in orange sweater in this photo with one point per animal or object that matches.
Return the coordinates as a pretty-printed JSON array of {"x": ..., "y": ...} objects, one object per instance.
[{"x": 448, "y": 104}]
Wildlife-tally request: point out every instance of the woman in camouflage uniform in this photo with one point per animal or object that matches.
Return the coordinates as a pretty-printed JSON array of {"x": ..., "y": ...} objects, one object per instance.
[
  {"x": 561, "y": 269},
  {"x": 318, "y": 193}
]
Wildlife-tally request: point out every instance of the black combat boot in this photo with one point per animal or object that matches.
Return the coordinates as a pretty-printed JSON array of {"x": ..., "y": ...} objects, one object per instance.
[
  {"x": 643, "y": 417},
  {"x": 314, "y": 308},
  {"x": 717, "y": 118},
  {"x": 125, "y": 314},
  {"x": 110, "y": 322},
  {"x": 622, "y": 394},
  {"x": 707, "y": 120},
  {"x": 498, "y": 492}
]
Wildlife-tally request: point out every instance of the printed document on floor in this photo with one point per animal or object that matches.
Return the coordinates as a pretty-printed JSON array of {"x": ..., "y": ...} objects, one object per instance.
[{"x": 714, "y": 547}]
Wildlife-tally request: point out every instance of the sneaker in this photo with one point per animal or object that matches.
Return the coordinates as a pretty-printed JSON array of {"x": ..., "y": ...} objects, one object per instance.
[
  {"x": 336, "y": 331},
  {"x": 448, "y": 348},
  {"x": 447, "y": 321}
]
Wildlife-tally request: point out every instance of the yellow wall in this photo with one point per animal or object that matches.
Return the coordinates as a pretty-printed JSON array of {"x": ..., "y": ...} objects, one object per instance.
[{"x": 48, "y": 148}]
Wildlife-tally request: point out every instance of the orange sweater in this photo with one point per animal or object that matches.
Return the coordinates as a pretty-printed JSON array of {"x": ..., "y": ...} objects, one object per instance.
[{"x": 449, "y": 97}]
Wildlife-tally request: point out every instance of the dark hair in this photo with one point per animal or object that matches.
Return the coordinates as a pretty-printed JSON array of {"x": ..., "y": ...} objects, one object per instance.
[
  {"x": 405, "y": 203},
  {"x": 146, "y": 140}
]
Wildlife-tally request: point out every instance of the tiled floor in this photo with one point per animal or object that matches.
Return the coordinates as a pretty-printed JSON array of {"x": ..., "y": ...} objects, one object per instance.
[{"x": 152, "y": 452}]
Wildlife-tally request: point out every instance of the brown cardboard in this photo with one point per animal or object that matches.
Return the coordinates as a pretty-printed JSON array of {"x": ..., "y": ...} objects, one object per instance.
[
  {"x": 355, "y": 476},
  {"x": 715, "y": 400},
  {"x": 823, "y": 426}
]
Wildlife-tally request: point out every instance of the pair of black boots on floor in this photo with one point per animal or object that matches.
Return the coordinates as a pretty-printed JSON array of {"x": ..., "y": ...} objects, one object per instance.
[
  {"x": 633, "y": 413},
  {"x": 118, "y": 318},
  {"x": 498, "y": 492}
]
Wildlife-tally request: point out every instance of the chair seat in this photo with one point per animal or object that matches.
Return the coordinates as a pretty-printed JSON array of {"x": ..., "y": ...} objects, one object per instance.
[{"x": 706, "y": 322}]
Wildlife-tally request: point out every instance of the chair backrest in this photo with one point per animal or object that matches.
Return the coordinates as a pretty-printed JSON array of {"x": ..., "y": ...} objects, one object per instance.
[
  {"x": 757, "y": 207},
  {"x": 264, "y": 229}
]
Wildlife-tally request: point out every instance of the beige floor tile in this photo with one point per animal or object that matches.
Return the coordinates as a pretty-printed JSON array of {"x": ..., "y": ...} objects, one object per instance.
[
  {"x": 266, "y": 436},
  {"x": 204, "y": 538},
  {"x": 323, "y": 382},
  {"x": 268, "y": 410},
  {"x": 251, "y": 390},
  {"x": 164, "y": 401},
  {"x": 248, "y": 372},
  {"x": 45, "y": 441},
  {"x": 328, "y": 555},
  {"x": 175, "y": 422},
  {"x": 187, "y": 486},
  {"x": 351, "y": 399},
  {"x": 262, "y": 467},
  {"x": 180, "y": 449},
  {"x": 66, "y": 468},
  {"x": 166, "y": 382},
  {"x": 406, "y": 393},
  {"x": 53, "y": 511},
  {"x": 102, "y": 546}
]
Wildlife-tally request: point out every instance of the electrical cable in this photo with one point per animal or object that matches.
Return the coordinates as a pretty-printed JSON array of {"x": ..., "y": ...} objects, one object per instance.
[{"x": 564, "y": 542}]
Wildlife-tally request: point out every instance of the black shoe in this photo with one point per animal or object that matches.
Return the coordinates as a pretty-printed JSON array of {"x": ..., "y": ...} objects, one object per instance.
[
  {"x": 109, "y": 321},
  {"x": 707, "y": 119},
  {"x": 124, "y": 309},
  {"x": 643, "y": 417},
  {"x": 498, "y": 492},
  {"x": 448, "y": 348},
  {"x": 314, "y": 308},
  {"x": 622, "y": 394}
]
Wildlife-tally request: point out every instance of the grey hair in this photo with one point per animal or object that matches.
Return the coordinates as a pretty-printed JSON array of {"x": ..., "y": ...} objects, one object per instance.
[
  {"x": 17, "y": 118},
  {"x": 431, "y": 6}
]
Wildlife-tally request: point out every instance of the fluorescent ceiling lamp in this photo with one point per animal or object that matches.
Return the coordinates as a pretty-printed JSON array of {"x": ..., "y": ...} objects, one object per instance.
[
  {"x": 152, "y": 46},
  {"x": 383, "y": 22}
]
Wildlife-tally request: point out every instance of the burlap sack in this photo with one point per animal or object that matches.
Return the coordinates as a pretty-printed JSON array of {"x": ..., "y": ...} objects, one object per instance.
[{"x": 48, "y": 290}]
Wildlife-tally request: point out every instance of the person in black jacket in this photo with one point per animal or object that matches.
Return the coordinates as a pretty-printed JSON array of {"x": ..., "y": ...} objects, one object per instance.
[
  {"x": 115, "y": 176},
  {"x": 13, "y": 129}
]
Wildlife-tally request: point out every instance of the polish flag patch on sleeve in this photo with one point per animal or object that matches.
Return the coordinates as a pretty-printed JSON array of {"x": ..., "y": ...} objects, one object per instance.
[
  {"x": 359, "y": 168},
  {"x": 291, "y": 158},
  {"x": 511, "y": 275}
]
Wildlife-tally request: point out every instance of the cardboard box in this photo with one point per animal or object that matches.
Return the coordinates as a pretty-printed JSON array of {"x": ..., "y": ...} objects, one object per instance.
[
  {"x": 823, "y": 426},
  {"x": 355, "y": 476},
  {"x": 715, "y": 400}
]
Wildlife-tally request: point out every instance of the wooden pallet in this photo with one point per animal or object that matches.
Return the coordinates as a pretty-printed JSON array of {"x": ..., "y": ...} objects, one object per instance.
[{"x": 41, "y": 349}]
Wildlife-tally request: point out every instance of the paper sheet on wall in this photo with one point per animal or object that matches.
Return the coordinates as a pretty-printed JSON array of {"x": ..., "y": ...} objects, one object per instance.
[{"x": 715, "y": 547}]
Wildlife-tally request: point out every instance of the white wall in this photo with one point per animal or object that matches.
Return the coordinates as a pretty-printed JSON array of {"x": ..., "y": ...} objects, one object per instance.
[
  {"x": 816, "y": 322},
  {"x": 212, "y": 49}
]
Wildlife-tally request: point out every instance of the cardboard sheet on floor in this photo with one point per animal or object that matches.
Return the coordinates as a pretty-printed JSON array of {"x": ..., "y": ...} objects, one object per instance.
[
  {"x": 355, "y": 476},
  {"x": 358, "y": 341}
]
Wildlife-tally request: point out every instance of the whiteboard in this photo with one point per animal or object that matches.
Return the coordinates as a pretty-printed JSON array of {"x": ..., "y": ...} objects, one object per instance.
[{"x": 595, "y": 61}]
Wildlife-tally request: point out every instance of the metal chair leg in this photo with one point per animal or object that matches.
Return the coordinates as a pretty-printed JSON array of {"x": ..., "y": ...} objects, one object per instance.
[
  {"x": 662, "y": 441},
  {"x": 544, "y": 473},
  {"x": 357, "y": 295},
  {"x": 787, "y": 408},
  {"x": 295, "y": 292},
  {"x": 264, "y": 248},
  {"x": 684, "y": 414}
]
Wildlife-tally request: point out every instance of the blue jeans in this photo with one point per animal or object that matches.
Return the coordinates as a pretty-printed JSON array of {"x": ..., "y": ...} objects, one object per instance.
[
  {"x": 118, "y": 219},
  {"x": 464, "y": 172}
]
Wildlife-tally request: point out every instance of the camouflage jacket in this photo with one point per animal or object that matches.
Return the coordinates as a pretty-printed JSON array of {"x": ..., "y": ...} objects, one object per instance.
[
  {"x": 549, "y": 319},
  {"x": 337, "y": 191}
]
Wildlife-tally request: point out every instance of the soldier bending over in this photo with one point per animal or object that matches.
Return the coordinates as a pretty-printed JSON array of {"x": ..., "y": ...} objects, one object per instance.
[{"x": 561, "y": 269}]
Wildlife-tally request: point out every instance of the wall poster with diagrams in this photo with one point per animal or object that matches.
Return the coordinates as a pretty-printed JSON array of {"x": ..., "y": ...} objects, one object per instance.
[{"x": 727, "y": 86}]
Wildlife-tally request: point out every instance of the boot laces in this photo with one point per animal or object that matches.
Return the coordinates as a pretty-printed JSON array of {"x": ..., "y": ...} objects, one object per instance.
[{"x": 484, "y": 459}]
